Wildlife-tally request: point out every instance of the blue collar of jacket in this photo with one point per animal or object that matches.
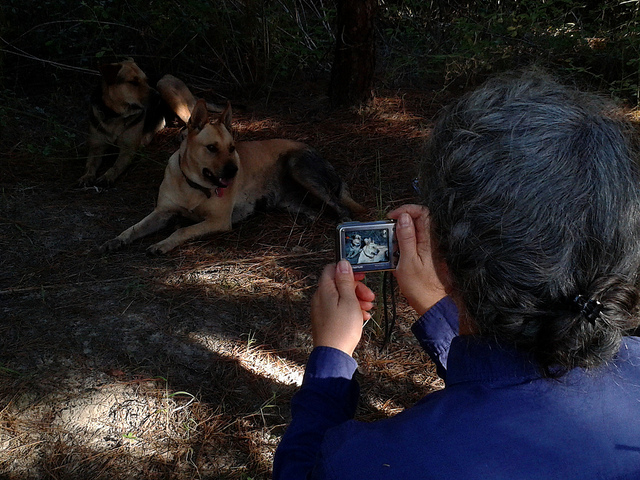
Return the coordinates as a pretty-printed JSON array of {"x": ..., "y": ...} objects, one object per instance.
[{"x": 475, "y": 359}]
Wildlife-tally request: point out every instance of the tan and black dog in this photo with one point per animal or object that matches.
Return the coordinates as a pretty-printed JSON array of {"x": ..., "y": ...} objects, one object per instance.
[
  {"x": 126, "y": 112},
  {"x": 216, "y": 182}
]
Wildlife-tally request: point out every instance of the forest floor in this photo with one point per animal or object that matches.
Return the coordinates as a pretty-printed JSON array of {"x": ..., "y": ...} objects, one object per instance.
[{"x": 183, "y": 366}]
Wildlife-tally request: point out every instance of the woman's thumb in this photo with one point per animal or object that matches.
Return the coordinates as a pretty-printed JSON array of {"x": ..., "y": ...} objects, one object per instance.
[
  {"x": 345, "y": 282},
  {"x": 406, "y": 234}
]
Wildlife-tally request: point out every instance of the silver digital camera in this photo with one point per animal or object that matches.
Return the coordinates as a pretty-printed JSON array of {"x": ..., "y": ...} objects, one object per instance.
[{"x": 368, "y": 246}]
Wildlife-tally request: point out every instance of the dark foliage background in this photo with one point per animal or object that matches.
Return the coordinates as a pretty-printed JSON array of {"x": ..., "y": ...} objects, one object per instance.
[{"x": 263, "y": 44}]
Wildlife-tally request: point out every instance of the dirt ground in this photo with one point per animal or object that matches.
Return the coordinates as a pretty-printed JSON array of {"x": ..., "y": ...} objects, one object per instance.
[{"x": 183, "y": 366}]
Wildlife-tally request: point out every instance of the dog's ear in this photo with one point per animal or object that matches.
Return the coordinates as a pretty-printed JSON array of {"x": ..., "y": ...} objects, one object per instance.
[
  {"x": 199, "y": 116},
  {"x": 225, "y": 117},
  {"x": 110, "y": 72}
]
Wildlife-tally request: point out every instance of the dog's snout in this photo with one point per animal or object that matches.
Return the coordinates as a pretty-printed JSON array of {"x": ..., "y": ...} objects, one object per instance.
[
  {"x": 208, "y": 174},
  {"x": 230, "y": 170},
  {"x": 135, "y": 107}
]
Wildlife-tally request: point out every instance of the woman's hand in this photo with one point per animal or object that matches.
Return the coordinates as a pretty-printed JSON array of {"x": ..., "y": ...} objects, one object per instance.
[
  {"x": 340, "y": 307},
  {"x": 420, "y": 275}
]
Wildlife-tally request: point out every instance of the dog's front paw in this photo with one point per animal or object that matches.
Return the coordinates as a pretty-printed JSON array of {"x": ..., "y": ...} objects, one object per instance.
[
  {"x": 112, "y": 245},
  {"x": 156, "y": 250},
  {"x": 87, "y": 180},
  {"x": 108, "y": 179},
  {"x": 160, "y": 248}
]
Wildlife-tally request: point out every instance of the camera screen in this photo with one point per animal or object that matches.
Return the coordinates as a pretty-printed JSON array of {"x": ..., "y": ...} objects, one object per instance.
[{"x": 367, "y": 246}]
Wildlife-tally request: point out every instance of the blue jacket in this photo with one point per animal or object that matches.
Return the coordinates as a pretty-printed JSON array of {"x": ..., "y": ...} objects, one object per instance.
[{"x": 497, "y": 418}]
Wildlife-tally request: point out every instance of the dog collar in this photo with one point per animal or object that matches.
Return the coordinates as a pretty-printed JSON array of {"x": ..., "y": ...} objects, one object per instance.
[
  {"x": 192, "y": 184},
  {"x": 108, "y": 114},
  {"x": 99, "y": 118}
]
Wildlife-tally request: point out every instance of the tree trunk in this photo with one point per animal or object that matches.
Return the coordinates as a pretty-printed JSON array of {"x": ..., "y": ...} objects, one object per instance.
[{"x": 354, "y": 62}]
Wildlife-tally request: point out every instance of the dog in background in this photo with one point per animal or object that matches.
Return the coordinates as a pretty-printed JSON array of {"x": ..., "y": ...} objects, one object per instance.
[
  {"x": 126, "y": 112},
  {"x": 215, "y": 182}
]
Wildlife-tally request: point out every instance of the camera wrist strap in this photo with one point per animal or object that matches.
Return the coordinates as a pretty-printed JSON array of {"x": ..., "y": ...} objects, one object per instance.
[{"x": 388, "y": 290}]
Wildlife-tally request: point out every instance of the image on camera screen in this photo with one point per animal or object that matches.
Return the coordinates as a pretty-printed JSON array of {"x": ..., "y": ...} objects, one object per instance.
[{"x": 367, "y": 246}]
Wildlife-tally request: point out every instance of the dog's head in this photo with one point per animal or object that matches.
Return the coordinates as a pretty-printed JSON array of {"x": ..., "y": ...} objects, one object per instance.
[
  {"x": 125, "y": 88},
  {"x": 210, "y": 158}
]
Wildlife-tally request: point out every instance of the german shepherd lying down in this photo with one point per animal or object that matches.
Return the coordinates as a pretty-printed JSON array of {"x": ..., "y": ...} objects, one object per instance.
[
  {"x": 126, "y": 113},
  {"x": 216, "y": 182}
]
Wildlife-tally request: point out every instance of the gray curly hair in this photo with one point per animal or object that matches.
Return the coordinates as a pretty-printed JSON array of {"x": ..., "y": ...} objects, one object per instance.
[{"x": 534, "y": 196}]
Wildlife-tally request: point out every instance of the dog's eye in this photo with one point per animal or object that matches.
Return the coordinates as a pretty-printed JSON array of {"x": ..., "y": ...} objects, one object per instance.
[
  {"x": 212, "y": 148},
  {"x": 232, "y": 148},
  {"x": 135, "y": 82}
]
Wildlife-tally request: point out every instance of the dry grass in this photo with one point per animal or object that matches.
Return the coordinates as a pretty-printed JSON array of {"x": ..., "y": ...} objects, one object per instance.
[{"x": 124, "y": 366}]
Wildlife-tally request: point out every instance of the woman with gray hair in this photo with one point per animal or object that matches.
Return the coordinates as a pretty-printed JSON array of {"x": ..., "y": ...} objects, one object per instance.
[{"x": 523, "y": 265}]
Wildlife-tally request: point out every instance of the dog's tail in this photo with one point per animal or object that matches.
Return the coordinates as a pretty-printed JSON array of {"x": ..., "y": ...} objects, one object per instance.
[{"x": 177, "y": 95}]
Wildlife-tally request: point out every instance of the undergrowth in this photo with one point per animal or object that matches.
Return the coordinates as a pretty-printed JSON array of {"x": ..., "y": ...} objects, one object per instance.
[{"x": 259, "y": 45}]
